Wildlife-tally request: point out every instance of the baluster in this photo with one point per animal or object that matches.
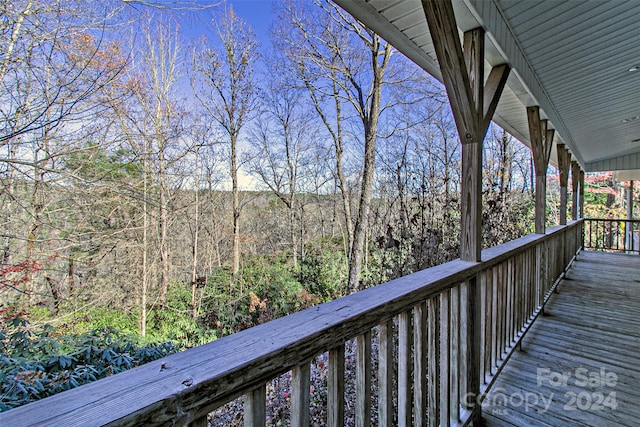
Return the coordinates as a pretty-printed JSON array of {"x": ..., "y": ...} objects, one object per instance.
[
  {"x": 508, "y": 304},
  {"x": 487, "y": 341},
  {"x": 517, "y": 297},
  {"x": 454, "y": 354},
  {"x": 495, "y": 318},
  {"x": 404, "y": 369},
  {"x": 500, "y": 311},
  {"x": 255, "y": 408},
  {"x": 385, "y": 375},
  {"x": 445, "y": 360},
  {"x": 433, "y": 361},
  {"x": 200, "y": 422},
  {"x": 420, "y": 338},
  {"x": 531, "y": 268},
  {"x": 300, "y": 395},
  {"x": 464, "y": 352},
  {"x": 363, "y": 380},
  {"x": 335, "y": 387},
  {"x": 466, "y": 372}
]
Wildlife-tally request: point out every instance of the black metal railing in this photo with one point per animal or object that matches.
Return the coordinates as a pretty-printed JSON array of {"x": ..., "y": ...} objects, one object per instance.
[{"x": 612, "y": 235}]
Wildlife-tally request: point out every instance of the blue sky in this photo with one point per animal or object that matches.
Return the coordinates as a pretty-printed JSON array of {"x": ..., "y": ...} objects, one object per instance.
[{"x": 257, "y": 13}]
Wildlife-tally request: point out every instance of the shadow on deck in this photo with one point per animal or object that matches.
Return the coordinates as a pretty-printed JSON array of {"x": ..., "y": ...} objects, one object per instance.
[{"x": 579, "y": 361}]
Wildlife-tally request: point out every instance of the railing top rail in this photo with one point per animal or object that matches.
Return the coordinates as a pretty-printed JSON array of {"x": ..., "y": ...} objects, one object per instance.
[{"x": 196, "y": 381}]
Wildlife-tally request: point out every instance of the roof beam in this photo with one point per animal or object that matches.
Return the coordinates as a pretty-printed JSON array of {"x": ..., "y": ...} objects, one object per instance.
[
  {"x": 492, "y": 91},
  {"x": 541, "y": 142},
  {"x": 473, "y": 104},
  {"x": 455, "y": 76}
]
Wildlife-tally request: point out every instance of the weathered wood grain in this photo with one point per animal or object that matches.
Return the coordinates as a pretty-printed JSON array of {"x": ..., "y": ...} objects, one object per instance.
[
  {"x": 433, "y": 360},
  {"x": 335, "y": 387},
  {"x": 575, "y": 181},
  {"x": 444, "y": 34},
  {"x": 385, "y": 375},
  {"x": 445, "y": 359},
  {"x": 255, "y": 408},
  {"x": 300, "y": 395},
  {"x": 564, "y": 161},
  {"x": 363, "y": 379},
  {"x": 493, "y": 89},
  {"x": 420, "y": 353},
  {"x": 404, "y": 369},
  {"x": 454, "y": 353},
  {"x": 540, "y": 146}
]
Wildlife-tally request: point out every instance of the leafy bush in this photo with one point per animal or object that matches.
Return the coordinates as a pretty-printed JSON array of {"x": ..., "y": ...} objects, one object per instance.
[
  {"x": 324, "y": 273},
  {"x": 267, "y": 287},
  {"x": 169, "y": 324},
  {"x": 96, "y": 318},
  {"x": 36, "y": 362}
]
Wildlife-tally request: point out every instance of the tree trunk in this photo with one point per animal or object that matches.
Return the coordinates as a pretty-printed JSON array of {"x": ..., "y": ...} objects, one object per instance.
[
  {"x": 370, "y": 115},
  {"x": 235, "y": 208}
]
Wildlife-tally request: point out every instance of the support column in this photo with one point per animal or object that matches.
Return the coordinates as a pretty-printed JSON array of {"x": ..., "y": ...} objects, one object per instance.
[
  {"x": 630, "y": 201},
  {"x": 575, "y": 180},
  {"x": 564, "y": 160},
  {"x": 630, "y": 244},
  {"x": 581, "y": 195},
  {"x": 473, "y": 103},
  {"x": 541, "y": 143}
]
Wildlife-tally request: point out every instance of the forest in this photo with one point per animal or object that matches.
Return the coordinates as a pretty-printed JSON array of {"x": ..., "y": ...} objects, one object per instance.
[{"x": 158, "y": 192}]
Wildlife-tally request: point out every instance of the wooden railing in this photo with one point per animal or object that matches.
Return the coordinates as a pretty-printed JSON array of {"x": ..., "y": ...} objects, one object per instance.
[
  {"x": 443, "y": 335},
  {"x": 612, "y": 235}
]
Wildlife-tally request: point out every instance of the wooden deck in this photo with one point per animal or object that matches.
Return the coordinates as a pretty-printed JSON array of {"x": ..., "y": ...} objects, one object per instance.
[{"x": 579, "y": 363}]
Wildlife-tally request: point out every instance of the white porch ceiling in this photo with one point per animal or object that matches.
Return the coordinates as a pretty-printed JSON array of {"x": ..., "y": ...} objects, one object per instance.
[{"x": 572, "y": 58}]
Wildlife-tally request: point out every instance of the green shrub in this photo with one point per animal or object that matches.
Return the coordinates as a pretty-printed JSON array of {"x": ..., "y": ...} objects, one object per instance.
[
  {"x": 36, "y": 362},
  {"x": 324, "y": 273},
  {"x": 100, "y": 317}
]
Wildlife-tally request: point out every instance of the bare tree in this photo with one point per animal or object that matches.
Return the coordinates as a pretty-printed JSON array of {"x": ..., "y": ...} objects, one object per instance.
[
  {"x": 55, "y": 59},
  {"x": 223, "y": 82},
  {"x": 152, "y": 126},
  {"x": 505, "y": 181},
  {"x": 45, "y": 81},
  {"x": 283, "y": 139},
  {"x": 346, "y": 69}
]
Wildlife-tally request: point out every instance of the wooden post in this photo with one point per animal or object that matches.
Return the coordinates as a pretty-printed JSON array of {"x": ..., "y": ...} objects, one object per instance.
[
  {"x": 363, "y": 380},
  {"x": 404, "y": 369},
  {"x": 581, "y": 195},
  {"x": 630, "y": 242},
  {"x": 541, "y": 142},
  {"x": 385, "y": 375},
  {"x": 255, "y": 408},
  {"x": 564, "y": 160},
  {"x": 575, "y": 180},
  {"x": 300, "y": 395},
  {"x": 630, "y": 201},
  {"x": 335, "y": 387},
  {"x": 473, "y": 103}
]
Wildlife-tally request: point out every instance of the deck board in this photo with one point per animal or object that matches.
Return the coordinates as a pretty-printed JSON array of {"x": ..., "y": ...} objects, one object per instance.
[{"x": 590, "y": 333}]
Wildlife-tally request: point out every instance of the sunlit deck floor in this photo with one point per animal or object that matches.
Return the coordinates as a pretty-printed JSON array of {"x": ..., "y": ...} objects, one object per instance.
[{"x": 580, "y": 362}]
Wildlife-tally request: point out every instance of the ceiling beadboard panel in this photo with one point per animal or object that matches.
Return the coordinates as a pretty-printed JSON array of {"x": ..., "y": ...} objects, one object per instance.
[{"x": 581, "y": 52}]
